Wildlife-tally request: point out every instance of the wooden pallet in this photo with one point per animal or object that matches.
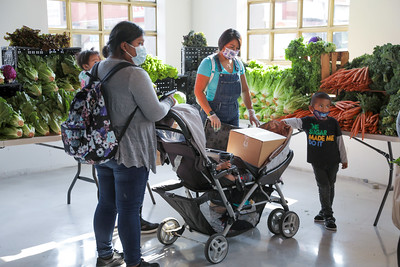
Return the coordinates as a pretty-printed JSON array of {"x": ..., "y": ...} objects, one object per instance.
[{"x": 330, "y": 62}]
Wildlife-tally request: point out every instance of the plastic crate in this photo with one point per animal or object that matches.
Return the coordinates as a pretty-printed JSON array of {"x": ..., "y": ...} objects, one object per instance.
[
  {"x": 9, "y": 54},
  {"x": 191, "y": 57},
  {"x": 164, "y": 85},
  {"x": 9, "y": 89}
]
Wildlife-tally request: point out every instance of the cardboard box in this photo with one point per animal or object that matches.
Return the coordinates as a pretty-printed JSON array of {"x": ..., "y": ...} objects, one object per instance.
[{"x": 254, "y": 145}]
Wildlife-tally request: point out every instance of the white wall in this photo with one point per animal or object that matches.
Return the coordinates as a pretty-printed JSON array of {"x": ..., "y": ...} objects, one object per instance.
[
  {"x": 17, "y": 13},
  {"x": 373, "y": 23},
  {"x": 173, "y": 22},
  {"x": 213, "y": 17}
]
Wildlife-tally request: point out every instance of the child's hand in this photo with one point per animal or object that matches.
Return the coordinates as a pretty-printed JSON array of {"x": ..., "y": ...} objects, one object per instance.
[
  {"x": 225, "y": 165},
  {"x": 344, "y": 165}
]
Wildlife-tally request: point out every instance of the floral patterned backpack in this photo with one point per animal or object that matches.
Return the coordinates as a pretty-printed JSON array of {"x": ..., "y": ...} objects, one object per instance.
[{"x": 87, "y": 134}]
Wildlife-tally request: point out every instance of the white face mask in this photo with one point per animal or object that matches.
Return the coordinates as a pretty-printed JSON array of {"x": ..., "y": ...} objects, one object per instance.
[{"x": 140, "y": 54}]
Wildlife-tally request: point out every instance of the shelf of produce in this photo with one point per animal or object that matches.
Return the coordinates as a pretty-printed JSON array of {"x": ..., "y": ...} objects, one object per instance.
[
  {"x": 27, "y": 141},
  {"x": 388, "y": 156}
]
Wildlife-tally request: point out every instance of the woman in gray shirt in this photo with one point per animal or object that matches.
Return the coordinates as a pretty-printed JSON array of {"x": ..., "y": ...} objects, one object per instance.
[{"x": 122, "y": 180}]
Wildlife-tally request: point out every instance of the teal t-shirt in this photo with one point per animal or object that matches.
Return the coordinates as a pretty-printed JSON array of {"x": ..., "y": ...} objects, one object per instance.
[{"x": 205, "y": 69}]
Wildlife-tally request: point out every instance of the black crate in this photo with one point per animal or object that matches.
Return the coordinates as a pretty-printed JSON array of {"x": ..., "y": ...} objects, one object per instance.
[
  {"x": 9, "y": 54},
  {"x": 191, "y": 57},
  {"x": 164, "y": 85},
  {"x": 9, "y": 89}
]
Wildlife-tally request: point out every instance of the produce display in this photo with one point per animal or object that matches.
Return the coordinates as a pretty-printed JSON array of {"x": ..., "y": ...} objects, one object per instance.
[
  {"x": 277, "y": 92},
  {"x": 43, "y": 75},
  {"x": 27, "y": 37}
]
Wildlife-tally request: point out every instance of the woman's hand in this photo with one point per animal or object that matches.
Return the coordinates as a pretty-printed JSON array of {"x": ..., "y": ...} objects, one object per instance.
[
  {"x": 215, "y": 122},
  {"x": 253, "y": 118},
  {"x": 173, "y": 99}
]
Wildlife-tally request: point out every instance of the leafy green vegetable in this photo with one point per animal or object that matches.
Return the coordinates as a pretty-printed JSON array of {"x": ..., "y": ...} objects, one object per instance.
[
  {"x": 6, "y": 112},
  {"x": 49, "y": 87},
  {"x": 11, "y": 132},
  {"x": 180, "y": 97},
  {"x": 28, "y": 130},
  {"x": 194, "y": 39},
  {"x": 157, "y": 70}
]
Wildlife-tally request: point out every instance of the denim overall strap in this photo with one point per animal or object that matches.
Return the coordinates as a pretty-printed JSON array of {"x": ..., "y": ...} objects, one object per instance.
[{"x": 229, "y": 89}]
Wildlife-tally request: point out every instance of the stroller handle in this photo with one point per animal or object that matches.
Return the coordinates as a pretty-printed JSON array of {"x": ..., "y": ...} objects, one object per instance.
[{"x": 166, "y": 121}]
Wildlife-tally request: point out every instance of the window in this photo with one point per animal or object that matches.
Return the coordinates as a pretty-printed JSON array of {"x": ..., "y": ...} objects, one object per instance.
[
  {"x": 89, "y": 22},
  {"x": 272, "y": 24}
]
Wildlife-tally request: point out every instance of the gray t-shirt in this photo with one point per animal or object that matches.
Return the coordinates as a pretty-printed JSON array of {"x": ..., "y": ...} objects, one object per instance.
[{"x": 128, "y": 88}]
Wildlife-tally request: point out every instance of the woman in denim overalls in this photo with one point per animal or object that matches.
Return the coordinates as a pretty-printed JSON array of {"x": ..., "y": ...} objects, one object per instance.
[{"x": 220, "y": 103}]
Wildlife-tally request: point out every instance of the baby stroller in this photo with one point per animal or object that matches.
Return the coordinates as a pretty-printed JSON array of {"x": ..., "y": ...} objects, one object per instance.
[{"x": 201, "y": 183}]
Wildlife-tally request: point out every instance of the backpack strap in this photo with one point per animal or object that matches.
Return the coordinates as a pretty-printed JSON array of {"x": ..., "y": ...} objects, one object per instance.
[
  {"x": 211, "y": 57},
  {"x": 114, "y": 70}
]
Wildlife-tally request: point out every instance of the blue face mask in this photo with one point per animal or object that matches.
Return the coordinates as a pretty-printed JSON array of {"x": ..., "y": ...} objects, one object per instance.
[
  {"x": 320, "y": 115},
  {"x": 140, "y": 54}
]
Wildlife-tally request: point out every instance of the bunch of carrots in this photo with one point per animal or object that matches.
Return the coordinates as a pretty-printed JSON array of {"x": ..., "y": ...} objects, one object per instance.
[
  {"x": 350, "y": 116},
  {"x": 353, "y": 119},
  {"x": 300, "y": 113},
  {"x": 356, "y": 79}
]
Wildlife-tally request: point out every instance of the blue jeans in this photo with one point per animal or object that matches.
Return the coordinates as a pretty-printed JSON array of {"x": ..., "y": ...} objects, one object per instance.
[{"x": 121, "y": 191}]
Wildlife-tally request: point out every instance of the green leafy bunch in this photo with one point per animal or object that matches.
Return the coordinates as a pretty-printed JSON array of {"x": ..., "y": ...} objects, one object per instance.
[
  {"x": 194, "y": 39},
  {"x": 157, "y": 70}
]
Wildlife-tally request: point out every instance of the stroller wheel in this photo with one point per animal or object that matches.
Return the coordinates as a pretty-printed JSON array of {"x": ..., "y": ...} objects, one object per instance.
[
  {"x": 290, "y": 224},
  {"x": 216, "y": 248},
  {"x": 274, "y": 220},
  {"x": 166, "y": 232}
]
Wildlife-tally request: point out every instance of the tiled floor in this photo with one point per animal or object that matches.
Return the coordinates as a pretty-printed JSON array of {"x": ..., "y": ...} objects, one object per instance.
[{"x": 38, "y": 228}]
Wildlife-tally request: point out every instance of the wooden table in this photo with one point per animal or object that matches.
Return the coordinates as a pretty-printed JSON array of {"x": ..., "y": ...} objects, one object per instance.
[
  {"x": 43, "y": 140},
  {"x": 388, "y": 156}
]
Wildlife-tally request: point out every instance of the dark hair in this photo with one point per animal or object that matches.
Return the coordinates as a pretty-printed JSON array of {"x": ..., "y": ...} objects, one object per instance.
[
  {"x": 84, "y": 56},
  {"x": 227, "y": 36},
  {"x": 319, "y": 95},
  {"x": 124, "y": 31},
  {"x": 105, "y": 51}
]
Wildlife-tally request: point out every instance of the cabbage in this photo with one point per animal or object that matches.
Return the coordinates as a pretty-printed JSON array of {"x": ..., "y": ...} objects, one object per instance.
[
  {"x": 28, "y": 130},
  {"x": 6, "y": 111},
  {"x": 34, "y": 89},
  {"x": 54, "y": 125},
  {"x": 16, "y": 120},
  {"x": 65, "y": 85},
  {"x": 11, "y": 132},
  {"x": 49, "y": 87},
  {"x": 45, "y": 73},
  {"x": 9, "y": 73},
  {"x": 180, "y": 97}
]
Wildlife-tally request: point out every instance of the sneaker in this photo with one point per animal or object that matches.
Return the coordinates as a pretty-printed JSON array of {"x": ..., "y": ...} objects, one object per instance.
[
  {"x": 148, "y": 264},
  {"x": 148, "y": 227},
  {"x": 319, "y": 218},
  {"x": 114, "y": 260},
  {"x": 330, "y": 224}
]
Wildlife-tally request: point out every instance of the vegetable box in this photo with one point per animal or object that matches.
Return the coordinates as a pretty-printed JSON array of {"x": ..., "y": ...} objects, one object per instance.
[{"x": 329, "y": 62}]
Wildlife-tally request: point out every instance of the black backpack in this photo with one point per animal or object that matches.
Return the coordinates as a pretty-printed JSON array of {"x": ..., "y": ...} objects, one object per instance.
[{"x": 87, "y": 134}]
